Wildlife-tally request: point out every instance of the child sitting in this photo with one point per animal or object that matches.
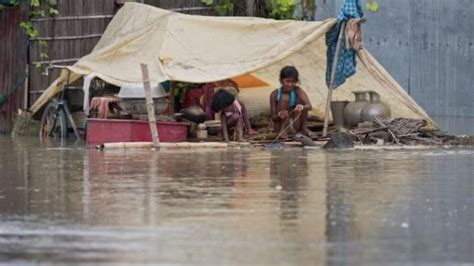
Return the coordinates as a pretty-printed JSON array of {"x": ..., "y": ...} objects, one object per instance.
[
  {"x": 290, "y": 105},
  {"x": 233, "y": 115}
]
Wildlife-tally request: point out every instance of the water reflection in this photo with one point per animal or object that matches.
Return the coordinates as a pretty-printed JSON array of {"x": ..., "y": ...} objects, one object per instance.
[
  {"x": 288, "y": 172},
  {"x": 287, "y": 207}
]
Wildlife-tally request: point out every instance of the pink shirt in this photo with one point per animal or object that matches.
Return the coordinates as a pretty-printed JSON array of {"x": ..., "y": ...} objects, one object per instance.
[{"x": 237, "y": 107}]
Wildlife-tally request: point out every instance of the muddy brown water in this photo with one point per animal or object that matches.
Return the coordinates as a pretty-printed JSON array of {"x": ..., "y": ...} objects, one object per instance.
[{"x": 71, "y": 205}]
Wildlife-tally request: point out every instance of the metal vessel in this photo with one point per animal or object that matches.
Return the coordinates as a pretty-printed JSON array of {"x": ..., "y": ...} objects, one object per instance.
[
  {"x": 375, "y": 108},
  {"x": 353, "y": 111}
]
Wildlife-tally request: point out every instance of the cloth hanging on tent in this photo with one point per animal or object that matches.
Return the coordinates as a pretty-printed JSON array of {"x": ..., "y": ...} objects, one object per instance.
[
  {"x": 346, "y": 64},
  {"x": 86, "y": 89},
  {"x": 350, "y": 9},
  {"x": 353, "y": 33}
]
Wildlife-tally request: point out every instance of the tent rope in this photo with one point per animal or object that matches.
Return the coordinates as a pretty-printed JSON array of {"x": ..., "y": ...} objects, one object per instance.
[
  {"x": 290, "y": 124},
  {"x": 4, "y": 96}
]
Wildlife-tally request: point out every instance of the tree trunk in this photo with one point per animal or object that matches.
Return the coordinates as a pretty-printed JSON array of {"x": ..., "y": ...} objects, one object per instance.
[
  {"x": 240, "y": 8},
  {"x": 251, "y": 5}
]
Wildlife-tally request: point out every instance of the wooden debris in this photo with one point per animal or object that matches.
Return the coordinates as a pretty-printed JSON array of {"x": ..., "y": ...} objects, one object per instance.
[{"x": 401, "y": 131}]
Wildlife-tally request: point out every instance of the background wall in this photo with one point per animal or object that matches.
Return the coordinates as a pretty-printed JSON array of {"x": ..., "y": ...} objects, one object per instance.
[{"x": 428, "y": 46}]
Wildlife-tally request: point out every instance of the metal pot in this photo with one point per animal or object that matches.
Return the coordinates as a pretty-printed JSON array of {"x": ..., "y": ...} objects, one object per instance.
[
  {"x": 375, "y": 108},
  {"x": 194, "y": 114},
  {"x": 353, "y": 111},
  {"x": 337, "y": 110}
]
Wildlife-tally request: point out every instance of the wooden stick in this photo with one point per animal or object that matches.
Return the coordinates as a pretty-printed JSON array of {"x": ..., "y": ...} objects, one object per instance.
[
  {"x": 185, "y": 145},
  {"x": 26, "y": 89},
  {"x": 333, "y": 77},
  {"x": 184, "y": 9},
  {"x": 379, "y": 121},
  {"x": 150, "y": 107},
  {"x": 72, "y": 122},
  {"x": 60, "y": 61},
  {"x": 72, "y": 18},
  {"x": 78, "y": 37},
  {"x": 393, "y": 136},
  {"x": 368, "y": 131}
]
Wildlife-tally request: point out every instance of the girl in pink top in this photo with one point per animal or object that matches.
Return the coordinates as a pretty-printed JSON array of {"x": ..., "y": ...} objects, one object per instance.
[{"x": 233, "y": 115}]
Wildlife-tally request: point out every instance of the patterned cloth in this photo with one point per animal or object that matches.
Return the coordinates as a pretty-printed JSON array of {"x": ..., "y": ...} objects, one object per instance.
[
  {"x": 346, "y": 64},
  {"x": 350, "y": 9}
]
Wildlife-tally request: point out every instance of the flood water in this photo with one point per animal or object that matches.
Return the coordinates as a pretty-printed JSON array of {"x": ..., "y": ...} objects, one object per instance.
[{"x": 73, "y": 205}]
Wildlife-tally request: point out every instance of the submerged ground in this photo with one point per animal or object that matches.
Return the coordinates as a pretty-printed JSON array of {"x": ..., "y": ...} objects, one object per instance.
[{"x": 240, "y": 206}]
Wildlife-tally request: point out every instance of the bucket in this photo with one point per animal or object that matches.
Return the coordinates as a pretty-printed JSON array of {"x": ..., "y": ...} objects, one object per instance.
[{"x": 337, "y": 110}]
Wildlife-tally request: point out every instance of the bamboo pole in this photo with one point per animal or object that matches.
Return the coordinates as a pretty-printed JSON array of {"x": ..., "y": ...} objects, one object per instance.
[
  {"x": 187, "y": 9},
  {"x": 149, "y": 106},
  {"x": 333, "y": 77},
  {"x": 182, "y": 145},
  {"x": 52, "y": 62},
  {"x": 72, "y": 18},
  {"x": 62, "y": 38},
  {"x": 26, "y": 89}
]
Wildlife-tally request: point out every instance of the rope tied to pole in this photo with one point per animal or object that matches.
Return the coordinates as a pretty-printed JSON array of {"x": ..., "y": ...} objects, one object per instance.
[{"x": 18, "y": 84}]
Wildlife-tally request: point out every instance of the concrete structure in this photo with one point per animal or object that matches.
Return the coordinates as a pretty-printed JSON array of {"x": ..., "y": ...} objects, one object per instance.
[{"x": 428, "y": 46}]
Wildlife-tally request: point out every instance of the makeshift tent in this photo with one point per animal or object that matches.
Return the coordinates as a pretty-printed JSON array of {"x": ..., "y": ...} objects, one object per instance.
[{"x": 203, "y": 49}]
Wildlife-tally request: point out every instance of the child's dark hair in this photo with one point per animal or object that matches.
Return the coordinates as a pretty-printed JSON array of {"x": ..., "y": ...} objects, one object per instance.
[
  {"x": 289, "y": 72},
  {"x": 221, "y": 100}
]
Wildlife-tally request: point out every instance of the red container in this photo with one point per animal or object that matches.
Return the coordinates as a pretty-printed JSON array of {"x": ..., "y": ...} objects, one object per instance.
[
  {"x": 167, "y": 131},
  {"x": 116, "y": 130}
]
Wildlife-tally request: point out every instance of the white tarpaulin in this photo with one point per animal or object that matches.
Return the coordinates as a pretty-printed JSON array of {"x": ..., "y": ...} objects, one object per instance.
[{"x": 201, "y": 49}]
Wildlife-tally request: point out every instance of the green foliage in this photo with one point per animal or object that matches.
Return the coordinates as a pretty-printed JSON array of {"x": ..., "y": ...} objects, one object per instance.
[
  {"x": 29, "y": 29},
  {"x": 38, "y": 8},
  {"x": 222, "y": 7},
  {"x": 281, "y": 9},
  {"x": 53, "y": 11},
  {"x": 276, "y": 9},
  {"x": 372, "y": 6},
  {"x": 38, "y": 13}
]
